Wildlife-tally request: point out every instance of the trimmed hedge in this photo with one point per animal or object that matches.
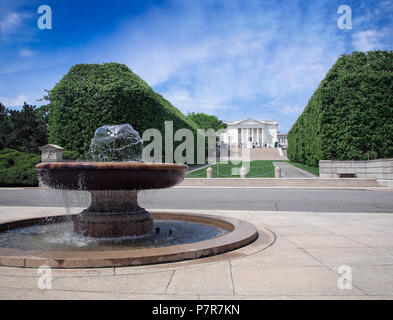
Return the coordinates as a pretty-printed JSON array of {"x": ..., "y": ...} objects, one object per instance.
[
  {"x": 17, "y": 169},
  {"x": 350, "y": 115},
  {"x": 93, "y": 95}
]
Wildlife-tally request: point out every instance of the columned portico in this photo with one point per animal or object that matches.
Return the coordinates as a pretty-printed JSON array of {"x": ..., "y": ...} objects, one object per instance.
[{"x": 250, "y": 133}]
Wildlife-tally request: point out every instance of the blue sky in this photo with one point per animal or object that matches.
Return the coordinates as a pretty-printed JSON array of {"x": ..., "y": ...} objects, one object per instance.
[{"x": 232, "y": 58}]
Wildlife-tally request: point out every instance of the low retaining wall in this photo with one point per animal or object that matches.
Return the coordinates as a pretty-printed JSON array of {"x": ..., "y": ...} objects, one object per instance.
[
  {"x": 279, "y": 182},
  {"x": 379, "y": 169}
]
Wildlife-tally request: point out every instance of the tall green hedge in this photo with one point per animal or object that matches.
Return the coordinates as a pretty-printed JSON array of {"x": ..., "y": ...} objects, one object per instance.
[
  {"x": 350, "y": 115},
  {"x": 18, "y": 168},
  {"x": 93, "y": 95}
]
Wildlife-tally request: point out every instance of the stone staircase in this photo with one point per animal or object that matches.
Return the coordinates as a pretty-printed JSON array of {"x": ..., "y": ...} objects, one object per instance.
[{"x": 264, "y": 154}]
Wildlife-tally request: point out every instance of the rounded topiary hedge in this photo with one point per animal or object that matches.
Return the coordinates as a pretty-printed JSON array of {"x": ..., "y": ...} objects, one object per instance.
[
  {"x": 349, "y": 117},
  {"x": 92, "y": 95}
]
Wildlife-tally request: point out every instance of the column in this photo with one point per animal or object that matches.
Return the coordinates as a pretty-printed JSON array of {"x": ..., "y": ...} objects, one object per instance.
[{"x": 258, "y": 135}]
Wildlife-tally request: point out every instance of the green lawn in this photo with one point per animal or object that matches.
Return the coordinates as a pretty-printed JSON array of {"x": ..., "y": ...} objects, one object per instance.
[
  {"x": 313, "y": 170},
  {"x": 258, "y": 169}
]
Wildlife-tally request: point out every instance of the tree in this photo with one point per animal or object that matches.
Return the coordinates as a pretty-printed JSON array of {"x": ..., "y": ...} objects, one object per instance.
[
  {"x": 205, "y": 121},
  {"x": 4, "y": 127},
  {"x": 27, "y": 129}
]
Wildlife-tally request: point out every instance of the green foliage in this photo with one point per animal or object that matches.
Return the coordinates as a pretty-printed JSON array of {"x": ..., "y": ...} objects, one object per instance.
[
  {"x": 5, "y": 126},
  {"x": 92, "y": 95},
  {"x": 17, "y": 168},
  {"x": 72, "y": 155},
  {"x": 349, "y": 117},
  {"x": 205, "y": 121},
  {"x": 25, "y": 130}
]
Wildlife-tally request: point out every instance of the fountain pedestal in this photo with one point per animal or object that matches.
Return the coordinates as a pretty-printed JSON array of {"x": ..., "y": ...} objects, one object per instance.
[
  {"x": 113, "y": 213},
  {"x": 114, "y": 209}
]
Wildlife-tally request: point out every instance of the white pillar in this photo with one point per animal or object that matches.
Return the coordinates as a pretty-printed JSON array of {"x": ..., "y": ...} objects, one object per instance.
[
  {"x": 243, "y": 172},
  {"x": 277, "y": 172},
  {"x": 258, "y": 135},
  {"x": 209, "y": 173}
]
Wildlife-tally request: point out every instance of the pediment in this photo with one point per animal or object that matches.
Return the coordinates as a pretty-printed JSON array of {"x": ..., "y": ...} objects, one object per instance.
[
  {"x": 250, "y": 121},
  {"x": 51, "y": 147}
]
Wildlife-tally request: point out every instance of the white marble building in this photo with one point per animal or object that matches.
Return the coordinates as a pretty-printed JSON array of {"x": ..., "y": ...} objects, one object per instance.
[
  {"x": 250, "y": 132},
  {"x": 282, "y": 140}
]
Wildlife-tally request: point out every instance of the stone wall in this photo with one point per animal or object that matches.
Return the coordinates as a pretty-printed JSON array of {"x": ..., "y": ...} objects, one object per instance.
[{"x": 379, "y": 169}]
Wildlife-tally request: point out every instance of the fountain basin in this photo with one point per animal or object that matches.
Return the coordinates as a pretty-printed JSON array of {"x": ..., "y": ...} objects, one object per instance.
[
  {"x": 110, "y": 175},
  {"x": 239, "y": 233}
]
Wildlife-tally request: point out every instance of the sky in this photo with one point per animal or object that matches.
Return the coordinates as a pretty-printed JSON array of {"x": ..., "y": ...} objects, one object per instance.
[{"x": 236, "y": 59}]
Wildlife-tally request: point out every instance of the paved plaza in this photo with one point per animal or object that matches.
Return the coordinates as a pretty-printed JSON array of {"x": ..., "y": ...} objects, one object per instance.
[{"x": 302, "y": 263}]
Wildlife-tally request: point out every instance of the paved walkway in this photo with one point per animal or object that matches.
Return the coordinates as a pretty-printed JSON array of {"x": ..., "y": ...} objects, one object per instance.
[
  {"x": 290, "y": 171},
  {"x": 303, "y": 263}
]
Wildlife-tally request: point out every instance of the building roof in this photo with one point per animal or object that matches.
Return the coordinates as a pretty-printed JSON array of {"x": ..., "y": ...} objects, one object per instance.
[
  {"x": 51, "y": 147},
  {"x": 250, "y": 120}
]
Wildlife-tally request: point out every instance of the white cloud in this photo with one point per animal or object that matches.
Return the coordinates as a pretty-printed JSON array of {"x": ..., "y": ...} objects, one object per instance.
[
  {"x": 14, "y": 101},
  {"x": 25, "y": 53},
  {"x": 234, "y": 60},
  {"x": 10, "y": 22},
  {"x": 367, "y": 40},
  {"x": 291, "y": 109}
]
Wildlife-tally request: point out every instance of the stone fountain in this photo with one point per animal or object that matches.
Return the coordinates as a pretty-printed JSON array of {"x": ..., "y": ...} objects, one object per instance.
[
  {"x": 115, "y": 230},
  {"x": 114, "y": 210}
]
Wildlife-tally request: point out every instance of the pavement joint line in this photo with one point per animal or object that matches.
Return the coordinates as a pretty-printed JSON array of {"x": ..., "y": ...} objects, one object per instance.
[
  {"x": 109, "y": 292},
  {"x": 308, "y": 253},
  {"x": 356, "y": 241},
  {"x": 232, "y": 282},
  {"x": 329, "y": 267},
  {"x": 199, "y": 296},
  {"x": 170, "y": 280}
]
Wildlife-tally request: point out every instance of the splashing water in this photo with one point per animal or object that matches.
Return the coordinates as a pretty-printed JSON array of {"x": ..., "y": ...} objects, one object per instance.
[{"x": 116, "y": 143}]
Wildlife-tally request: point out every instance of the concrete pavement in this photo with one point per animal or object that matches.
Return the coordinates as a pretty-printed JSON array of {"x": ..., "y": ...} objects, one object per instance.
[
  {"x": 290, "y": 171},
  {"x": 252, "y": 199},
  {"x": 302, "y": 263}
]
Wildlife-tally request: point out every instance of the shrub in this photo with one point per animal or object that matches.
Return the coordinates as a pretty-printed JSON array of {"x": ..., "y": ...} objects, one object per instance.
[
  {"x": 92, "y": 95},
  {"x": 349, "y": 117},
  {"x": 71, "y": 155},
  {"x": 18, "y": 168}
]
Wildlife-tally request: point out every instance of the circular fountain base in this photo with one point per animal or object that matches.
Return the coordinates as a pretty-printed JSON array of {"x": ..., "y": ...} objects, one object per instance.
[{"x": 237, "y": 234}]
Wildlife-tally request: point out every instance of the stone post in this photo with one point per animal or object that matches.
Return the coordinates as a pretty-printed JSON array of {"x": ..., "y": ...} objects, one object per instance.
[
  {"x": 243, "y": 172},
  {"x": 209, "y": 172},
  {"x": 51, "y": 153},
  {"x": 277, "y": 172}
]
